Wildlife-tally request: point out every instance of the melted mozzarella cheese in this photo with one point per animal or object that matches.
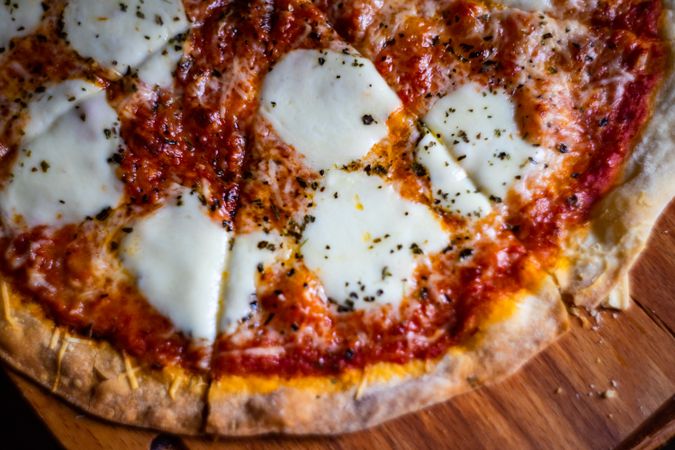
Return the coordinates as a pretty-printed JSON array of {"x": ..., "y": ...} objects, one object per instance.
[
  {"x": 479, "y": 127},
  {"x": 330, "y": 106},
  {"x": 48, "y": 106},
  {"x": 366, "y": 240},
  {"x": 64, "y": 175},
  {"x": 529, "y": 5},
  {"x": 160, "y": 68},
  {"x": 450, "y": 185},
  {"x": 251, "y": 254},
  {"x": 178, "y": 254},
  {"x": 18, "y": 18},
  {"x": 122, "y": 34}
]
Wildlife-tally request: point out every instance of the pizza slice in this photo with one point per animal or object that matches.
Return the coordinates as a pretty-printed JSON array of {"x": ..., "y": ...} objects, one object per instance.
[
  {"x": 70, "y": 206},
  {"x": 370, "y": 274}
]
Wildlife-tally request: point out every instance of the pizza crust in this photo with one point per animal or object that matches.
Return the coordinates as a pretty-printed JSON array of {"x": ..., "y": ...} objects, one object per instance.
[
  {"x": 601, "y": 254},
  {"x": 502, "y": 347},
  {"x": 94, "y": 376}
]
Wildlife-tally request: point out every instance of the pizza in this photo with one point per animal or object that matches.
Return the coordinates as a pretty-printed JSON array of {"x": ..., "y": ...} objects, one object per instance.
[{"x": 240, "y": 217}]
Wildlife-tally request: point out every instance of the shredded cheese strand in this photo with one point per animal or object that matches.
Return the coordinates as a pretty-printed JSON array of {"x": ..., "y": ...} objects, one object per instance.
[
  {"x": 129, "y": 370},
  {"x": 196, "y": 382},
  {"x": 362, "y": 385},
  {"x": 54, "y": 341},
  {"x": 6, "y": 304},
  {"x": 175, "y": 384},
  {"x": 59, "y": 361}
]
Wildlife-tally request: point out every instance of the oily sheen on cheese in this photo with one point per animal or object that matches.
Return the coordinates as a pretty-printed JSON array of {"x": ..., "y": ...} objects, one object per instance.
[
  {"x": 451, "y": 187},
  {"x": 366, "y": 240},
  {"x": 122, "y": 34},
  {"x": 529, "y": 5},
  {"x": 178, "y": 256},
  {"x": 478, "y": 126},
  {"x": 159, "y": 69},
  {"x": 48, "y": 106},
  {"x": 332, "y": 107},
  {"x": 252, "y": 254},
  {"x": 18, "y": 18},
  {"x": 64, "y": 175}
]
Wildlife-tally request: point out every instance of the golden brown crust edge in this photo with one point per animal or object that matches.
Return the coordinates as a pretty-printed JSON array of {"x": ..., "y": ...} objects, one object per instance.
[
  {"x": 503, "y": 347},
  {"x": 600, "y": 255},
  {"x": 94, "y": 376},
  {"x": 100, "y": 380}
]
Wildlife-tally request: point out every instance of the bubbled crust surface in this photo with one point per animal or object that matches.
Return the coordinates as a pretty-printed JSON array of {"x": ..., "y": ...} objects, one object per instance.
[{"x": 93, "y": 375}]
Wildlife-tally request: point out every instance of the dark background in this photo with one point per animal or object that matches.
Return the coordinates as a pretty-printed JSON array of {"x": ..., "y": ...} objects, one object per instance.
[{"x": 21, "y": 427}]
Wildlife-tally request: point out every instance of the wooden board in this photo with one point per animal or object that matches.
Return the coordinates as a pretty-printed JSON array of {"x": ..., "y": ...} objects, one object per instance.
[{"x": 556, "y": 401}]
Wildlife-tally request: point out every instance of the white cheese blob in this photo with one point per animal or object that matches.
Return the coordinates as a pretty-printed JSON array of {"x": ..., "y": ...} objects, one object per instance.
[
  {"x": 366, "y": 240},
  {"x": 18, "y": 18},
  {"x": 48, "y": 106},
  {"x": 529, "y": 5},
  {"x": 178, "y": 255},
  {"x": 478, "y": 126},
  {"x": 64, "y": 175},
  {"x": 120, "y": 34},
  {"x": 252, "y": 254},
  {"x": 332, "y": 107},
  {"x": 159, "y": 70},
  {"x": 451, "y": 187}
]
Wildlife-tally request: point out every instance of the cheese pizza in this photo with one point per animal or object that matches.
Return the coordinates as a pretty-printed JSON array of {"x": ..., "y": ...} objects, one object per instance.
[{"x": 248, "y": 216}]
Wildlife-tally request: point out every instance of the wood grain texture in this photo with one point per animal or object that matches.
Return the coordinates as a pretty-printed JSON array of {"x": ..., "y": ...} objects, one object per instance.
[
  {"x": 558, "y": 400},
  {"x": 653, "y": 278}
]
